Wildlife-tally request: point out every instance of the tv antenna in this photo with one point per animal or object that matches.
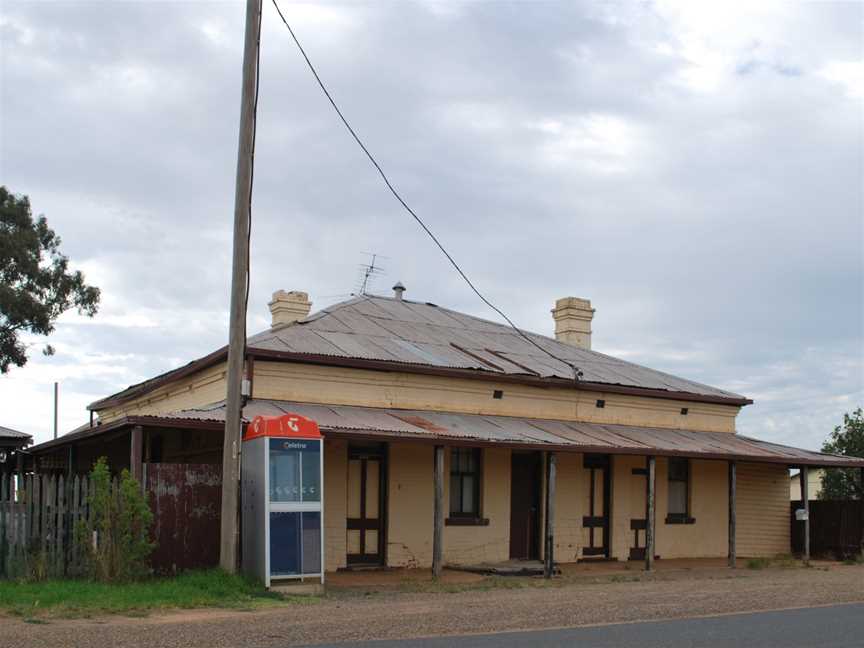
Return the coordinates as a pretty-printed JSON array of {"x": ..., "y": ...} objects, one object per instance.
[{"x": 369, "y": 272}]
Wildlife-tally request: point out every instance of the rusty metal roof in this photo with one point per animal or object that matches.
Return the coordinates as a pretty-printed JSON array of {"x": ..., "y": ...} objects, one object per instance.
[
  {"x": 540, "y": 434},
  {"x": 386, "y": 333},
  {"x": 9, "y": 433}
]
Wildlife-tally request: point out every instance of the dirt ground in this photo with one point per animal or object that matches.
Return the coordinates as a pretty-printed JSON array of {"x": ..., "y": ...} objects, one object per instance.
[{"x": 407, "y": 605}]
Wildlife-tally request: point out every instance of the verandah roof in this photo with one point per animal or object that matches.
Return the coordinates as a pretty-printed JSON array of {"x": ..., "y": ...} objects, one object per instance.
[{"x": 473, "y": 429}]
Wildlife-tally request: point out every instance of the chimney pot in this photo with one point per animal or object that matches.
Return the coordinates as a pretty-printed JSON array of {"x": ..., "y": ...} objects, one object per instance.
[
  {"x": 398, "y": 289},
  {"x": 573, "y": 317},
  {"x": 288, "y": 307}
]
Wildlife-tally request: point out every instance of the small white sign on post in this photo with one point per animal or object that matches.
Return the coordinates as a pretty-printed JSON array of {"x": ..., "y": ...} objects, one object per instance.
[{"x": 801, "y": 515}]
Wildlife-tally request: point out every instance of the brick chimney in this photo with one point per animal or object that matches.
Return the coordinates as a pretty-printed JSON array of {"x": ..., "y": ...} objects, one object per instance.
[
  {"x": 288, "y": 307},
  {"x": 573, "y": 317}
]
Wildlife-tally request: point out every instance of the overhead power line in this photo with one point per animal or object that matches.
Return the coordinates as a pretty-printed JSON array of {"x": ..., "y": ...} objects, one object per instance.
[{"x": 576, "y": 373}]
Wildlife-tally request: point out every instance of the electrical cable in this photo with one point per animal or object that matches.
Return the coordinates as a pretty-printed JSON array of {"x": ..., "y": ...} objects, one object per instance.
[
  {"x": 252, "y": 177},
  {"x": 576, "y": 372}
]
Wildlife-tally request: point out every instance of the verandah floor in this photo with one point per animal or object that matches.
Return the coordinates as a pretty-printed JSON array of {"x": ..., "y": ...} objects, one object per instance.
[{"x": 387, "y": 578}]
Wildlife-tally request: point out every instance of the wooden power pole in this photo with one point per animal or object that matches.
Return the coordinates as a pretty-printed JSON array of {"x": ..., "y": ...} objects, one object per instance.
[{"x": 240, "y": 265}]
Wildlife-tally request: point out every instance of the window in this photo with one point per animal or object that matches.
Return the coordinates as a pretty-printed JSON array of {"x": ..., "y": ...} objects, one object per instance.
[
  {"x": 679, "y": 492},
  {"x": 465, "y": 483}
]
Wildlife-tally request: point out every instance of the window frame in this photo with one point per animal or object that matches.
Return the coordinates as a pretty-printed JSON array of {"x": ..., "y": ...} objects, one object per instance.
[
  {"x": 678, "y": 517},
  {"x": 464, "y": 518}
]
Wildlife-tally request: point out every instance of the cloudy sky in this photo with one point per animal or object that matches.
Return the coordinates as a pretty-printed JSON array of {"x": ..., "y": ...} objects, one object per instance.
[{"x": 695, "y": 170}]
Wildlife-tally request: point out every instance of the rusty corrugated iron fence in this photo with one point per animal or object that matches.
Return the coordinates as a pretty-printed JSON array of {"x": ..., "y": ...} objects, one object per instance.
[{"x": 185, "y": 500}]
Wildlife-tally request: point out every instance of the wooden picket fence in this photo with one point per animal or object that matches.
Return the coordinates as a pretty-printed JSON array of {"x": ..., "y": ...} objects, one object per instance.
[{"x": 39, "y": 515}]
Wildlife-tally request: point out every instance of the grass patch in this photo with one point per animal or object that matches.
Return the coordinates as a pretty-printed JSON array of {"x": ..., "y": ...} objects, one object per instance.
[
  {"x": 76, "y": 598},
  {"x": 780, "y": 560}
]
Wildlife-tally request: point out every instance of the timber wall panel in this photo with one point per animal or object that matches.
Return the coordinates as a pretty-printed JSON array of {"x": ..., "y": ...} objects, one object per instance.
[{"x": 763, "y": 510}]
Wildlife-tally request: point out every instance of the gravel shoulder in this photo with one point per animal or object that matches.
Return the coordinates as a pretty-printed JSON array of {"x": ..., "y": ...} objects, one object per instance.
[{"x": 352, "y": 615}]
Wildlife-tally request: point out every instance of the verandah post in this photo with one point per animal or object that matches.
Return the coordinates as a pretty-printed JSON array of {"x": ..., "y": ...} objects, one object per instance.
[
  {"x": 733, "y": 478},
  {"x": 649, "y": 523},
  {"x": 438, "y": 529},
  {"x": 805, "y": 501},
  {"x": 548, "y": 551},
  {"x": 861, "y": 484},
  {"x": 136, "y": 453}
]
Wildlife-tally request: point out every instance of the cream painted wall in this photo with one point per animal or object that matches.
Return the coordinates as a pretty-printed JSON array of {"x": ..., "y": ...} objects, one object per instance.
[
  {"x": 335, "y": 502},
  {"x": 410, "y": 504},
  {"x": 344, "y": 386},
  {"x": 708, "y": 536},
  {"x": 201, "y": 388},
  {"x": 475, "y": 544},
  {"x": 571, "y": 503},
  {"x": 410, "y": 496},
  {"x": 628, "y": 502},
  {"x": 410, "y": 512}
]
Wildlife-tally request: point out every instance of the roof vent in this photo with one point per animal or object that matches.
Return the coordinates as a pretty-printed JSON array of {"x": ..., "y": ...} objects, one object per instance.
[
  {"x": 398, "y": 289},
  {"x": 288, "y": 307}
]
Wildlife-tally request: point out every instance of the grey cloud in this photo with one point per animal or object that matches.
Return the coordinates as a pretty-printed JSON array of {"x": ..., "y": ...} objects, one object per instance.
[{"x": 552, "y": 146}]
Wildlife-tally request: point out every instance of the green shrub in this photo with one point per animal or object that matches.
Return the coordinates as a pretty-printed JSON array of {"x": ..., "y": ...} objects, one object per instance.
[{"x": 115, "y": 538}]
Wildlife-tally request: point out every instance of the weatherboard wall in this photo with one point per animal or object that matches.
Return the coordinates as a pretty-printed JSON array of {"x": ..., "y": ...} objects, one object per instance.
[
  {"x": 763, "y": 510},
  {"x": 196, "y": 390}
]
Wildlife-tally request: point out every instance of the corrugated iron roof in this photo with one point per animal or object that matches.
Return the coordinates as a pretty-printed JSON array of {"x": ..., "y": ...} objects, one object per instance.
[
  {"x": 541, "y": 434},
  {"x": 9, "y": 433},
  {"x": 402, "y": 333}
]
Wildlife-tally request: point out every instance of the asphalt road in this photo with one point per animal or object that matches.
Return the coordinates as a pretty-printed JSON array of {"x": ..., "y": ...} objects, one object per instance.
[{"x": 836, "y": 626}]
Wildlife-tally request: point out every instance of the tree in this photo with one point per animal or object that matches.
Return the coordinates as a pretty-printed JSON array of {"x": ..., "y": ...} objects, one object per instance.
[
  {"x": 36, "y": 285},
  {"x": 846, "y": 440},
  {"x": 116, "y": 536}
]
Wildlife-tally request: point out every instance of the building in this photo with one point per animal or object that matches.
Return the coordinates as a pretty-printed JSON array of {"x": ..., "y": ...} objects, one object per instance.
[
  {"x": 814, "y": 485},
  {"x": 11, "y": 442},
  {"x": 398, "y": 386}
]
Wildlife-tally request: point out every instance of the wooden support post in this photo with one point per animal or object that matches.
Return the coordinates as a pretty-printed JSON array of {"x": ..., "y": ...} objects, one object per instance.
[
  {"x": 733, "y": 478},
  {"x": 438, "y": 528},
  {"x": 136, "y": 453},
  {"x": 649, "y": 524},
  {"x": 805, "y": 502},
  {"x": 549, "y": 535},
  {"x": 862, "y": 525}
]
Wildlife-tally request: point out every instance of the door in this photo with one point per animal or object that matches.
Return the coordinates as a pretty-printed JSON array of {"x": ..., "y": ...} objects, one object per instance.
[
  {"x": 366, "y": 521},
  {"x": 525, "y": 479},
  {"x": 596, "y": 525}
]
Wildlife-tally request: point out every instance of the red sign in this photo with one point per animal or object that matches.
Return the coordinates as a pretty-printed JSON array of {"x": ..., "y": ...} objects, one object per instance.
[{"x": 288, "y": 425}]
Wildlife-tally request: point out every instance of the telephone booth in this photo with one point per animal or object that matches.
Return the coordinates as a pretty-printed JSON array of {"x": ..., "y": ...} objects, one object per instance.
[{"x": 283, "y": 499}]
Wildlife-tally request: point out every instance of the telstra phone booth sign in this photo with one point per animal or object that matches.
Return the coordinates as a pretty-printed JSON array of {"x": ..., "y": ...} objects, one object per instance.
[{"x": 283, "y": 499}]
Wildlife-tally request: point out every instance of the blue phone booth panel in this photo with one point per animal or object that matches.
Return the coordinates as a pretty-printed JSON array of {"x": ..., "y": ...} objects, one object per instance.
[
  {"x": 295, "y": 543},
  {"x": 295, "y": 470}
]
